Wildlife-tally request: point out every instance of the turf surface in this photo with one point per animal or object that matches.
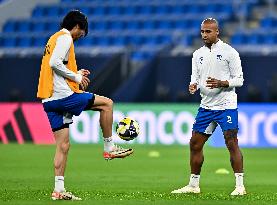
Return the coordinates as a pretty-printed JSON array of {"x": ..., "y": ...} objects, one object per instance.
[{"x": 26, "y": 176}]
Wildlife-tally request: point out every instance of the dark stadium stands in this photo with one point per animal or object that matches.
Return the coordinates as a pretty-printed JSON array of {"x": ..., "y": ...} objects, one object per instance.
[
  {"x": 149, "y": 42},
  {"x": 265, "y": 34},
  {"x": 143, "y": 26},
  {"x": 254, "y": 39}
]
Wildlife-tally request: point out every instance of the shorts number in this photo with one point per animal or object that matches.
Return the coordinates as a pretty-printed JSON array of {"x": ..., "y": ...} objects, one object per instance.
[{"x": 229, "y": 119}]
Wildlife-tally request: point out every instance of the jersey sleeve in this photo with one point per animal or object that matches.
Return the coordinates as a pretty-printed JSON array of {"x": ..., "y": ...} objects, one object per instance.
[
  {"x": 60, "y": 51},
  {"x": 236, "y": 79},
  {"x": 194, "y": 71}
]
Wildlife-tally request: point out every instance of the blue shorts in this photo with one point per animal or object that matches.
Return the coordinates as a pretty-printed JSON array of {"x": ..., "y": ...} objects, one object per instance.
[
  {"x": 207, "y": 120},
  {"x": 60, "y": 112}
]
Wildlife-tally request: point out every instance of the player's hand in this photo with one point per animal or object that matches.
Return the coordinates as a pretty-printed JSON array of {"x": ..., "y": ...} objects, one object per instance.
[
  {"x": 215, "y": 83},
  {"x": 192, "y": 88},
  {"x": 84, "y": 72},
  {"x": 84, "y": 83}
]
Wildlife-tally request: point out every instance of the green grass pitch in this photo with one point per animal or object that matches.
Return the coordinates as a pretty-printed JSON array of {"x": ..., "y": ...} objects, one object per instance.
[{"x": 26, "y": 176}]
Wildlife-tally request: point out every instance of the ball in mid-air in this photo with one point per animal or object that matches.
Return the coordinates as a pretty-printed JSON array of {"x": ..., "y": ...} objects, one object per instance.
[{"x": 127, "y": 129}]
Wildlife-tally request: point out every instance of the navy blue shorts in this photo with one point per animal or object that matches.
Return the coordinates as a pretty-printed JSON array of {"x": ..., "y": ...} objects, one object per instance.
[
  {"x": 60, "y": 112},
  {"x": 207, "y": 120}
]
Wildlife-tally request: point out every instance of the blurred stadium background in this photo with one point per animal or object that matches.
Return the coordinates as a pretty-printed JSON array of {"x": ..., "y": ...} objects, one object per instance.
[{"x": 139, "y": 53}]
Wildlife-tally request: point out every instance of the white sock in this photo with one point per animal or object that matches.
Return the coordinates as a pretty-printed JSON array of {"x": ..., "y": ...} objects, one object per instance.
[
  {"x": 108, "y": 144},
  {"x": 194, "y": 180},
  {"x": 59, "y": 184},
  {"x": 239, "y": 179}
]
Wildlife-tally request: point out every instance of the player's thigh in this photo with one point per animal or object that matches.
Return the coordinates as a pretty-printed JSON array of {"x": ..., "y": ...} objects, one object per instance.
[
  {"x": 79, "y": 102},
  {"x": 74, "y": 104},
  {"x": 101, "y": 102}
]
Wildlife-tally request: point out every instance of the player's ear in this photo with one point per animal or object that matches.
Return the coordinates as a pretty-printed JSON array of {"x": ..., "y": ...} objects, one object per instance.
[{"x": 217, "y": 31}]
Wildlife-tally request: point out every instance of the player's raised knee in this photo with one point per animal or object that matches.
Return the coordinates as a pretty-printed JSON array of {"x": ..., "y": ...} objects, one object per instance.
[{"x": 109, "y": 103}]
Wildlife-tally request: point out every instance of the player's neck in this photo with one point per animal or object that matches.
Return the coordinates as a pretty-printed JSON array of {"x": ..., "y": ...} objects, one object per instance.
[{"x": 209, "y": 45}]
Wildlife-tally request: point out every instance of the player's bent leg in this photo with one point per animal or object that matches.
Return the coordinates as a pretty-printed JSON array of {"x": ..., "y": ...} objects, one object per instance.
[{"x": 105, "y": 106}]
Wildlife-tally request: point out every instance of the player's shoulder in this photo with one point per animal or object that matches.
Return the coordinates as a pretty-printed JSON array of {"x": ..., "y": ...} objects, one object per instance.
[
  {"x": 228, "y": 48},
  {"x": 199, "y": 50},
  {"x": 64, "y": 35},
  {"x": 64, "y": 39}
]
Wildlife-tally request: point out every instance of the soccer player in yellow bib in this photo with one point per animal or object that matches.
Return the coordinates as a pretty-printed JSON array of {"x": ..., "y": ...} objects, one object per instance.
[{"x": 61, "y": 89}]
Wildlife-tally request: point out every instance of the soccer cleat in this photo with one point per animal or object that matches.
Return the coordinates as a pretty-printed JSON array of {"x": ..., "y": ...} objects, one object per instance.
[
  {"x": 64, "y": 196},
  {"x": 117, "y": 152},
  {"x": 239, "y": 191},
  {"x": 187, "y": 189}
]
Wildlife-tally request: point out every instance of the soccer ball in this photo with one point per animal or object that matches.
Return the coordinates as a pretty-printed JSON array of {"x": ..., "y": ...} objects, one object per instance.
[{"x": 127, "y": 129}]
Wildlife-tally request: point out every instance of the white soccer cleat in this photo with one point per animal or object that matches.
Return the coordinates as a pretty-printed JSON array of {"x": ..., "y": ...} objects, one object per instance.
[
  {"x": 239, "y": 191},
  {"x": 64, "y": 196},
  {"x": 187, "y": 189},
  {"x": 117, "y": 152}
]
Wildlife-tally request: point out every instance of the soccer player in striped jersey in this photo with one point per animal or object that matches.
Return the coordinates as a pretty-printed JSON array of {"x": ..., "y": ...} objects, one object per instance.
[
  {"x": 61, "y": 89},
  {"x": 216, "y": 71}
]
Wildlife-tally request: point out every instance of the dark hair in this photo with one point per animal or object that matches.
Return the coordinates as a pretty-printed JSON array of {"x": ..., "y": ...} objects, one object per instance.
[{"x": 73, "y": 18}]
